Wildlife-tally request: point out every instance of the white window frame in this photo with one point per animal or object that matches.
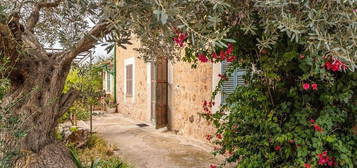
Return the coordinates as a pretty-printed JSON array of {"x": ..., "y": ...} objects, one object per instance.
[
  {"x": 216, "y": 70},
  {"x": 129, "y": 61},
  {"x": 108, "y": 89}
]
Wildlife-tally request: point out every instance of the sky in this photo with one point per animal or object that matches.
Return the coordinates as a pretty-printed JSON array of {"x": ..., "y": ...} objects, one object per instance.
[{"x": 99, "y": 51}]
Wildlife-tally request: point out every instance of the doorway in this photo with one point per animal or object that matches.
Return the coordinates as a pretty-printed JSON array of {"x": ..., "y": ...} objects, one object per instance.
[{"x": 158, "y": 93}]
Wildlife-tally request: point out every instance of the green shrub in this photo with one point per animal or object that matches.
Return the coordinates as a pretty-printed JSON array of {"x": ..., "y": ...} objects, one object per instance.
[
  {"x": 276, "y": 120},
  {"x": 89, "y": 83},
  {"x": 96, "y": 153}
]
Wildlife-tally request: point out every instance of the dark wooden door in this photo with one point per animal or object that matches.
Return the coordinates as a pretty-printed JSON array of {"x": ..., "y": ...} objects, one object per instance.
[{"x": 161, "y": 94}]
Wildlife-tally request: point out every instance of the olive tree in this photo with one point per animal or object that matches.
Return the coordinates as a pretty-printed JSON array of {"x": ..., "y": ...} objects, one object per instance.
[{"x": 327, "y": 28}]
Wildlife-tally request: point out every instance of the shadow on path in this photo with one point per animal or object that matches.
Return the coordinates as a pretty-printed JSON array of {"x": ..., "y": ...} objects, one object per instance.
[{"x": 146, "y": 147}]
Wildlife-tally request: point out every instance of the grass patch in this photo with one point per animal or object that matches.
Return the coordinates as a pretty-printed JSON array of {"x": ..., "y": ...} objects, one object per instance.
[{"x": 96, "y": 153}]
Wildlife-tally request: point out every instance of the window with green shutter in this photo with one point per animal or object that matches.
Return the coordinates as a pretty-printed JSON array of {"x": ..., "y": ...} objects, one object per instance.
[{"x": 236, "y": 79}]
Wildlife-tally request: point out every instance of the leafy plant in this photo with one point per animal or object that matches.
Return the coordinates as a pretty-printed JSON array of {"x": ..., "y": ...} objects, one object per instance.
[
  {"x": 88, "y": 81},
  {"x": 298, "y": 109},
  {"x": 95, "y": 155}
]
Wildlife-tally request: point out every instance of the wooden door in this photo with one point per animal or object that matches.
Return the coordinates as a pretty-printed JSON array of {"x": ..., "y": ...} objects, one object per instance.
[{"x": 161, "y": 106}]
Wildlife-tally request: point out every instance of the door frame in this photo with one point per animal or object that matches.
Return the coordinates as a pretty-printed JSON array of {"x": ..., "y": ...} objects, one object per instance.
[{"x": 157, "y": 82}]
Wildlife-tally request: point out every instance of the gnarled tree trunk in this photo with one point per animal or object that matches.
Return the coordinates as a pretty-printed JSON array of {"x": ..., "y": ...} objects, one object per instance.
[{"x": 37, "y": 80}]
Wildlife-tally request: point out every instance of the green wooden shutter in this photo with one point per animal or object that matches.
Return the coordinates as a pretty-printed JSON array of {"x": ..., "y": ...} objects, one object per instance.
[
  {"x": 239, "y": 77},
  {"x": 233, "y": 81}
]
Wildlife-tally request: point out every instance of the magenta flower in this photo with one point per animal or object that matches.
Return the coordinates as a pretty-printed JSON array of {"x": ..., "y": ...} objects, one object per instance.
[
  {"x": 314, "y": 86},
  {"x": 306, "y": 86},
  {"x": 277, "y": 148},
  {"x": 230, "y": 49},
  {"x": 212, "y": 166},
  {"x": 317, "y": 128},
  {"x": 202, "y": 58},
  {"x": 181, "y": 37},
  {"x": 231, "y": 58},
  {"x": 306, "y": 165}
]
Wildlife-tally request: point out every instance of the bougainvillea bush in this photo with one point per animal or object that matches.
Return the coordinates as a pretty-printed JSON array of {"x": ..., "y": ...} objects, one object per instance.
[
  {"x": 299, "y": 104},
  {"x": 297, "y": 109}
]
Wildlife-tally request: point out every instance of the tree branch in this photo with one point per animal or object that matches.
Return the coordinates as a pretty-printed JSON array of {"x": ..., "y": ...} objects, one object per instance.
[
  {"x": 35, "y": 15},
  {"x": 30, "y": 40},
  {"x": 88, "y": 41},
  {"x": 67, "y": 100}
]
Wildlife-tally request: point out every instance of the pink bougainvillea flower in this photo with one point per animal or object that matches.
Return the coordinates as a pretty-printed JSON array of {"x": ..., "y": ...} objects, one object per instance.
[
  {"x": 204, "y": 103},
  {"x": 181, "y": 37},
  {"x": 277, "y": 148},
  {"x": 206, "y": 109},
  {"x": 222, "y": 55},
  {"x": 208, "y": 137},
  {"x": 222, "y": 76},
  {"x": 354, "y": 10},
  {"x": 301, "y": 56},
  {"x": 307, "y": 165},
  {"x": 312, "y": 120},
  {"x": 211, "y": 103},
  {"x": 230, "y": 153},
  {"x": 306, "y": 86},
  {"x": 291, "y": 141},
  {"x": 214, "y": 55},
  {"x": 324, "y": 159},
  {"x": 314, "y": 86},
  {"x": 330, "y": 163},
  {"x": 231, "y": 58},
  {"x": 230, "y": 49},
  {"x": 202, "y": 58},
  {"x": 212, "y": 166},
  {"x": 328, "y": 65},
  {"x": 317, "y": 128},
  {"x": 335, "y": 65}
]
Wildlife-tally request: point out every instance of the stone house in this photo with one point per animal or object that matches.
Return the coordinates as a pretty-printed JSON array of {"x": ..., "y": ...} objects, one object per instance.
[{"x": 167, "y": 94}]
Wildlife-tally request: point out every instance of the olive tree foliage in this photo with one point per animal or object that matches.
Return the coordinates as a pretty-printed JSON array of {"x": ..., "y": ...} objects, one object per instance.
[{"x": 326, "y": 28}]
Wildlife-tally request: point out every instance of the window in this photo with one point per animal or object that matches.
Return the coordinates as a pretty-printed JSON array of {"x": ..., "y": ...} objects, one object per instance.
[
  {"x": 236, "y": 79},
  {"x": 129, "y": 79}
]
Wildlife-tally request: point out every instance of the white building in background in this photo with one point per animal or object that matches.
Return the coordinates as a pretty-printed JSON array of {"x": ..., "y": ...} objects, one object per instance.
[{"x": 108, "y": 79}]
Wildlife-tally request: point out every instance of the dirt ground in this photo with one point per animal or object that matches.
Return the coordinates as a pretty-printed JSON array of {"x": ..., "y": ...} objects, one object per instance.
[{"x": 147, "y": 147}]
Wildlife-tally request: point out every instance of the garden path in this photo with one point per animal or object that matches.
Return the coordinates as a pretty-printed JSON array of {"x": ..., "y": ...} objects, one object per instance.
[{"x": 147, "y": 147}]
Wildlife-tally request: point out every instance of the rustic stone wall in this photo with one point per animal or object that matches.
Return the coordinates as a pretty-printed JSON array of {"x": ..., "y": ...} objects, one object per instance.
[
  {"x": 188, "y": 88},
  {"x": 135, "y": 107}
]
